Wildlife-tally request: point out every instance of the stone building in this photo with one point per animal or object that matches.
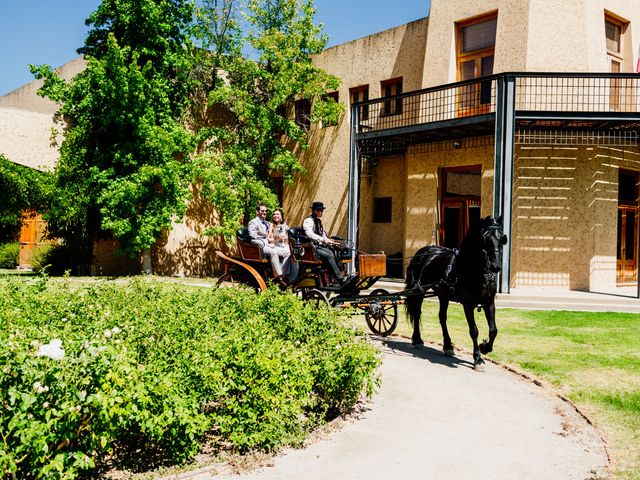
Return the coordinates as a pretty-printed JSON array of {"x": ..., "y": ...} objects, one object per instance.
[
  {"x": 526, "y": 109},
  {"x": 521, "y": 108}
]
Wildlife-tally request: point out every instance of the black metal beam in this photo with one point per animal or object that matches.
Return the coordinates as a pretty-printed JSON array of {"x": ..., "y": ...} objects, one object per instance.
[
  {"x": 503, "y": 173},
  {"x": 354, "y": 188},
  {"x": 425, "y": 127},
  {"x": 578, "y": 116}
]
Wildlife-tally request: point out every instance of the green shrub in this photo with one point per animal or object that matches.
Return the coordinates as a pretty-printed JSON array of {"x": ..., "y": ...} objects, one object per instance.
[
  {"x": 153, "y": 368},
  {"x": 9, "y": 255},
  {"x": 54, "y": 259}
]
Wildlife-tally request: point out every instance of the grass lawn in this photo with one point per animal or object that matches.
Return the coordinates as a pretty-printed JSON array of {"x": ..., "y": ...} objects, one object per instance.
[{"x": 591, "y": 358}]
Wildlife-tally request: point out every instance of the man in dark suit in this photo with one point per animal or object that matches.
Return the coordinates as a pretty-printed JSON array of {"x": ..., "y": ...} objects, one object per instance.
[{"x": 315, "y": 231}]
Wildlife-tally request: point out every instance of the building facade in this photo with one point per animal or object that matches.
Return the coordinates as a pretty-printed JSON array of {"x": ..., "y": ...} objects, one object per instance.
[{"x": 553, "y": 147}]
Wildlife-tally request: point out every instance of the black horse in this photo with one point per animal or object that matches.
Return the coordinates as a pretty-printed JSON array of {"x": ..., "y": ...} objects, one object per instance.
[{"x": 471, "y": 281}]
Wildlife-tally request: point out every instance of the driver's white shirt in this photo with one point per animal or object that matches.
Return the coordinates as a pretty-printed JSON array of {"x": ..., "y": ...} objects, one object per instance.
[{"x": 308, "y": 226}]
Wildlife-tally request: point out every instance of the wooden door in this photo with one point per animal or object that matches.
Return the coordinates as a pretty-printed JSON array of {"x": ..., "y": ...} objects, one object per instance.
[
  {"x": 457, "y": 215},
  {"x": 31, "y": 236},
  {"x": 627, "y": 261},
  {"x": 460, "y": 203}
]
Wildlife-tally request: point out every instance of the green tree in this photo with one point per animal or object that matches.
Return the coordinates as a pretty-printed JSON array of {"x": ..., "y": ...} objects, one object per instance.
[
  {"x": 22, "y": 188},
  {"x": 250, "y": 138},
  {"x": 124, "y": 162},
  {"x": 149, "y": 104}
]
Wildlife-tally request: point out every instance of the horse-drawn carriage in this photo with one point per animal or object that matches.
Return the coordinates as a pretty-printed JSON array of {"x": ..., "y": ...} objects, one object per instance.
[
  {"x": 251, "y": 267},
  {"x": 473, "y": 281}
]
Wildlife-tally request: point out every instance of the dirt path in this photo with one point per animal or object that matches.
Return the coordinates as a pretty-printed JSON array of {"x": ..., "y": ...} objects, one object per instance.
[{"x": 434, "y": 417}]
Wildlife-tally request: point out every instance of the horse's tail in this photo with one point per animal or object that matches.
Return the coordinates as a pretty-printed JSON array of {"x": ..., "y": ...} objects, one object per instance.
[
  {"x": 413, "y": 305},
  {"x": 415, "y": 295},
  {"x": 425, "y": 269}
]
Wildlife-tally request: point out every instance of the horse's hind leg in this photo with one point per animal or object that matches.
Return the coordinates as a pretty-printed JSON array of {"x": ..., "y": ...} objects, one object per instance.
[
  {"x": 447, "y": 346},
  {"x": 490, "y": 314},
  {"x": 414, "y": 309},
  {"x": 478, "y": 362}
]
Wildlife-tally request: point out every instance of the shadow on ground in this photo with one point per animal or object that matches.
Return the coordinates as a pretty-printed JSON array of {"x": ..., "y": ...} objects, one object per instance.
[{"x": 426, "y": 352}]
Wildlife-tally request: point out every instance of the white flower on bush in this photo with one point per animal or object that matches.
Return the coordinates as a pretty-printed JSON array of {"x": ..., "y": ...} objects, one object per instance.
[
  {"x": 113, "y": 331},
  {"x": 53, "y": 350},
  {"x": 39, "y": 388}
]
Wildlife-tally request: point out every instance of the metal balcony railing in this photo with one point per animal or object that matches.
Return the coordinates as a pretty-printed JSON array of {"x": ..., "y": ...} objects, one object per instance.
[{"x": 571, "y": 95}]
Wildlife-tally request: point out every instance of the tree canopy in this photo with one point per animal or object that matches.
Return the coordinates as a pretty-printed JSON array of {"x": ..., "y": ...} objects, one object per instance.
[
  {"x": 123, "y": 162},
  {"x": 175, "y": 93},
  {"x": 246, "y": 151}
]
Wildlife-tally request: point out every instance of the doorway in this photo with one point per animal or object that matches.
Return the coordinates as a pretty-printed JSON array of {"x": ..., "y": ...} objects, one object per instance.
[
  {"x": 460, "y": 203},
  {"x": 627, "y": 241}
]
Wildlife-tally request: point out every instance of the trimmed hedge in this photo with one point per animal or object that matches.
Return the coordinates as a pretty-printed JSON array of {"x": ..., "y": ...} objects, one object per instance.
[{"x": 92, "y": 371}]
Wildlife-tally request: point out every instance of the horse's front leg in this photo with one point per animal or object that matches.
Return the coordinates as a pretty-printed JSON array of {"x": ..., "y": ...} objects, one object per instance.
[
  {"x": 447, "y": 346},
  {"x": 478, "y": 362},
  {"x": 490, "y": 314}
]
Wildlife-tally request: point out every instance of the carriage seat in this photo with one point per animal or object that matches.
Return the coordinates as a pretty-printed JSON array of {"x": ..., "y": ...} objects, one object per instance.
[
  {"x": 302, "y": 249},
  {"x": 249, "y": 251}
]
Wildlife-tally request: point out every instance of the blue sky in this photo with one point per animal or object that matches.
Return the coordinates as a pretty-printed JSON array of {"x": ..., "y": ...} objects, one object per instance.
[{"x": 50, "y": 31}]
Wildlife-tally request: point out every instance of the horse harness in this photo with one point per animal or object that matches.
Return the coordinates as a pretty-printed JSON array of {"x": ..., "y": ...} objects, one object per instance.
[{"x": 488, "y": 277}]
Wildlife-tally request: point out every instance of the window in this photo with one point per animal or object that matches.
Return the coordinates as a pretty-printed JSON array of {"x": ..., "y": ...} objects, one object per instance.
[
  {"x": 303, "y": 113},
  {"x": 614, "y": 31},
  {"x": 360, "y": 94},
  {"x": 476, "y": 40},
  {"x": 382, "y": 210},
  {"x": 391, "y": 88},
  {"x": 328, "y": 97}
]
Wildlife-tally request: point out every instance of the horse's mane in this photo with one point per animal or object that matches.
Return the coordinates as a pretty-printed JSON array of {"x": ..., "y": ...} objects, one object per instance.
[{"x": 472, "y": 240}]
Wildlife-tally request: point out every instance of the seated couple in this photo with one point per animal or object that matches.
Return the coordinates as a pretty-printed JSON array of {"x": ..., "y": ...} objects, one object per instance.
[{"x": 274, "y": 240}]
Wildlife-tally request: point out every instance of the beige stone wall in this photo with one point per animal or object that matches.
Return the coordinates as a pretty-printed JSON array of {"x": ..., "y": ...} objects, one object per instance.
[
  {"x": 533, "y": 35},
  {"x": 511, "y": 36},
  {"x": 26, "y": 97},
  {"x": 398, "y": 52},
  {"x": 558, "y": 32},
  {"x": 26, "y": 123},
  {"x": 422, "y": 195},
  {"x": 565, "y": 216},
  {"x": 185, "y": 250},
  {"x": 26, "y": 138},
  {"x": 385, "y": 179}
]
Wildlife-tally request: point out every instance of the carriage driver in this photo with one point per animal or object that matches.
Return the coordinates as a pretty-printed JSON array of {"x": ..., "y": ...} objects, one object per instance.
[{"x": 315, "y": 231}]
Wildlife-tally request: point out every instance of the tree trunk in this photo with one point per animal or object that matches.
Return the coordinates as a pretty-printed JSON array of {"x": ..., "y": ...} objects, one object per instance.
[{"x": 147, "y": 266}]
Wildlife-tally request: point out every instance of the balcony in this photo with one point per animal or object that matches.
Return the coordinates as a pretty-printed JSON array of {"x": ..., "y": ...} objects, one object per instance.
[{"x": 573, "y": 104}]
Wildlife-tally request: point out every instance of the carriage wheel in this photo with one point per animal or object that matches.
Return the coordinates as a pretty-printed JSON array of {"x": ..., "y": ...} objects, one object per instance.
[
  {"x": 382, "y": 319},
  {"x": 315, "y": 297},
  {"x": 235, "y": 279}
]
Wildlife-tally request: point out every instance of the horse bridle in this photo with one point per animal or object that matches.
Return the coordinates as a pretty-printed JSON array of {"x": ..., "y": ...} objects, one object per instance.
[{"x": 496, "y": 230}]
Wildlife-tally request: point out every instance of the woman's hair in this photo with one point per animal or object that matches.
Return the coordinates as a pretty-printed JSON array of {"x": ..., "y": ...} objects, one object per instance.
[{"x": 281, "y": 214}]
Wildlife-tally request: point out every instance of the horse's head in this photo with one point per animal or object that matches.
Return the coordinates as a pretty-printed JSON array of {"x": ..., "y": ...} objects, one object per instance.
[{"x": 492, "y": 242}]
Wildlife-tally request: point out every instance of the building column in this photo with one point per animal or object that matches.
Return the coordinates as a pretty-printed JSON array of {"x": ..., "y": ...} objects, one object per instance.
[
  {"x": 353, "y": 208},
  {"x": 503, "y": 168}
]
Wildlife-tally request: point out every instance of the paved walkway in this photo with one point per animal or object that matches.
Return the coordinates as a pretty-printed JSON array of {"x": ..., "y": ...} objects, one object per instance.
[{"x": 435, "y": 417}]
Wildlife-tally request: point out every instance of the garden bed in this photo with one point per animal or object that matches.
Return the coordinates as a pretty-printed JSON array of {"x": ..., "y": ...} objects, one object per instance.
[{"x": 144, "y": 373}]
